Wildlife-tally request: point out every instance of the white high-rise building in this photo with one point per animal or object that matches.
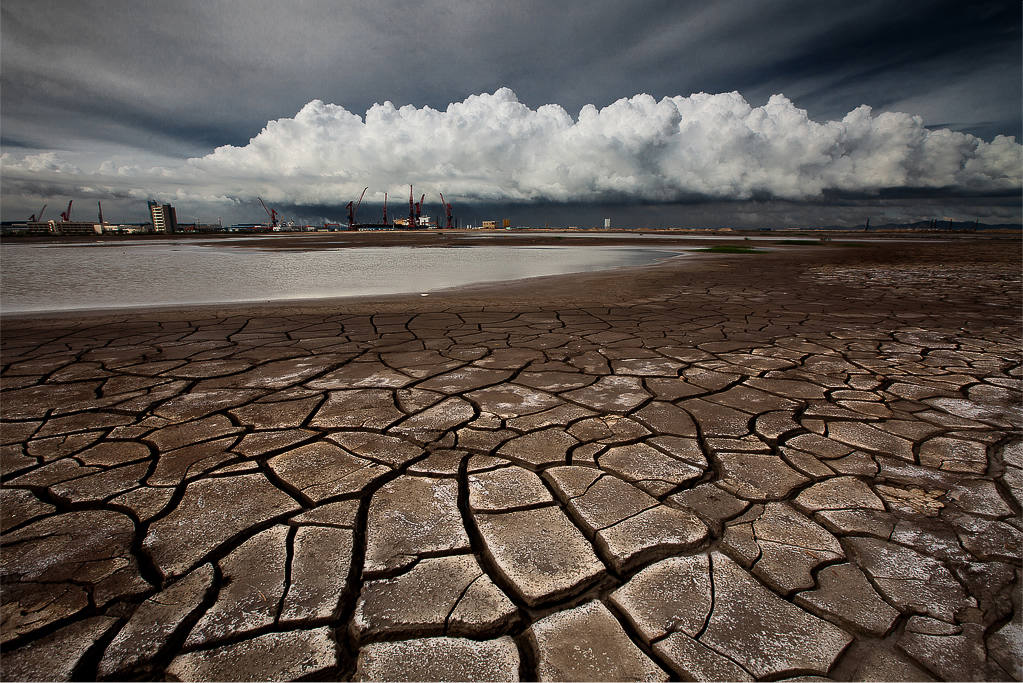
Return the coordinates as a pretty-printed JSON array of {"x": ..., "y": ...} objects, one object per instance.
[{"x": 163, "y": 216}]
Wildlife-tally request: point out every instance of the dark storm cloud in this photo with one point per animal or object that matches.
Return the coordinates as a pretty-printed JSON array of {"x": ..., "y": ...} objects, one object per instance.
[
  {"x": 199, "y": 71},
  {"x": 139, "y": 84},
  {"x": 909, "y": 49}
]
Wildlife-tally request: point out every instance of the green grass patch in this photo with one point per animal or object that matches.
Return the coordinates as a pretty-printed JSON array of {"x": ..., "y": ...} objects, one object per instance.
[{"x": 730, "y": 249}]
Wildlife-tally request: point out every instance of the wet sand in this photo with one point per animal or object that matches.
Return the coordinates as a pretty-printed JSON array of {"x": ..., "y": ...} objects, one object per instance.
[{"x": 782, "y": 259}]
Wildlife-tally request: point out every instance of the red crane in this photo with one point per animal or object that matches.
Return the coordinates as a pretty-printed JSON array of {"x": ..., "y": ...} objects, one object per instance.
[
  {"x": 447, "y": 209},
  {"x": 271, "y": 213},
  {"x": 360, "y": 200},
  {"x": 419, "y": 209},
  {"x": 385, "y": 208},
  {"x": 353, "y": 209},
  {"x": 33, "y": 218},
  {"x": 66, "y": 215}
]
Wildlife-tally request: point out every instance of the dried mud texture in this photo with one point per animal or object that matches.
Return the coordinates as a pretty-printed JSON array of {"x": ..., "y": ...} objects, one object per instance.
[{"x": 802, "y": 463}]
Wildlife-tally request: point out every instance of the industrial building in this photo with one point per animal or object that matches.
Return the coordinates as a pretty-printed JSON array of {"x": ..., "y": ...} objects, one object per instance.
[
  {"x": 58, "y": 228},
  {"x": 249, "y": 227},
  {"x": 12, "y": 228},
  {"x": 78, "y": 228},
  {"x": 200, "y": 227}
]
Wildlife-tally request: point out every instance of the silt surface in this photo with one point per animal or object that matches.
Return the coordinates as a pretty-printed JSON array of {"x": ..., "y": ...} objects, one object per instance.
[{"x": 805, "y": 462}]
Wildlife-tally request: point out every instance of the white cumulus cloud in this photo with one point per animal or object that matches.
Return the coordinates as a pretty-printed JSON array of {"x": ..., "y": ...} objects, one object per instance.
[
  {"x": 493, "y": 147},
  {"x": 41, "y": 163}
]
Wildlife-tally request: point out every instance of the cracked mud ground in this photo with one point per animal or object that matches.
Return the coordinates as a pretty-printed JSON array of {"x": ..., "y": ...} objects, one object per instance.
[{"x": 746, "y": 467}]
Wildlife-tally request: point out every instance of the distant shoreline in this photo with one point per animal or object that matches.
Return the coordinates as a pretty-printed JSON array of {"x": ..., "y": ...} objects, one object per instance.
[{"x": 880, "y": 231}]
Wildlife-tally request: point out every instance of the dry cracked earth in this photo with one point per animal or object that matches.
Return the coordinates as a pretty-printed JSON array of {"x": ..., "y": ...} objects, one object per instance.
[{"x": 764, "y": 470}]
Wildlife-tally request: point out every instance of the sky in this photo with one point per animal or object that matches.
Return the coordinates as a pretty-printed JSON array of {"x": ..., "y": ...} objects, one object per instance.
[{"x": 651, "y": 112}]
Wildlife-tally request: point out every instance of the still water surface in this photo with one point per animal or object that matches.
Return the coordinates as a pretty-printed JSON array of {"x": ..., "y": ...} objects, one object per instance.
[{"x": 36, "y": 277}]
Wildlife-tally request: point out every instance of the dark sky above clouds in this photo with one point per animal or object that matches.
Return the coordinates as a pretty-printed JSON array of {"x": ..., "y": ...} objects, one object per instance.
[{"x": 119, "y": 101}]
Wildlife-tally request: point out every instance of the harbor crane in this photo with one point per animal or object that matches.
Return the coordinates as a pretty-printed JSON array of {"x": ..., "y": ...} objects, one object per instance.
[
  {"x": 37, "y": 217},
  {"x": 447, "y": 209},
  {"x": 66, "y": 215},
  {"x": 353, "y": 209},
  {"x": 271, "y": 213},
  {"x": 419, "y": 209}
]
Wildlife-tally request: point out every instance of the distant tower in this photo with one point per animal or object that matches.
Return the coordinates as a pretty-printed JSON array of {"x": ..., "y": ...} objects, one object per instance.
[
  {"x": 164, "y": 217},
  {"x": 411, "y": 210},
  {"x": 607, "y": 223},
  {"x": 156, "y": 215},
  {"x": 171, "y": 217}
]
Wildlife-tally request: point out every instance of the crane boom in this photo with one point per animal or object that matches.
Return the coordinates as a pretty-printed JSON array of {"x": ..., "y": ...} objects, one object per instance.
[
  {"x": 39, "y": 216},
  {"x": 270, "y": 213},
  {"x": 419, "y": 209},
  {"x": 66, "y": 216},
  {"x": 353, "y": 209},
  {"x": 447, "y": 209}
]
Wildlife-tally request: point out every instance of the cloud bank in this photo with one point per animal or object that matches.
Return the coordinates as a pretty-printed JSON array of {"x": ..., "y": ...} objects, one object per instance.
[{"x": 491, "y": 147}]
